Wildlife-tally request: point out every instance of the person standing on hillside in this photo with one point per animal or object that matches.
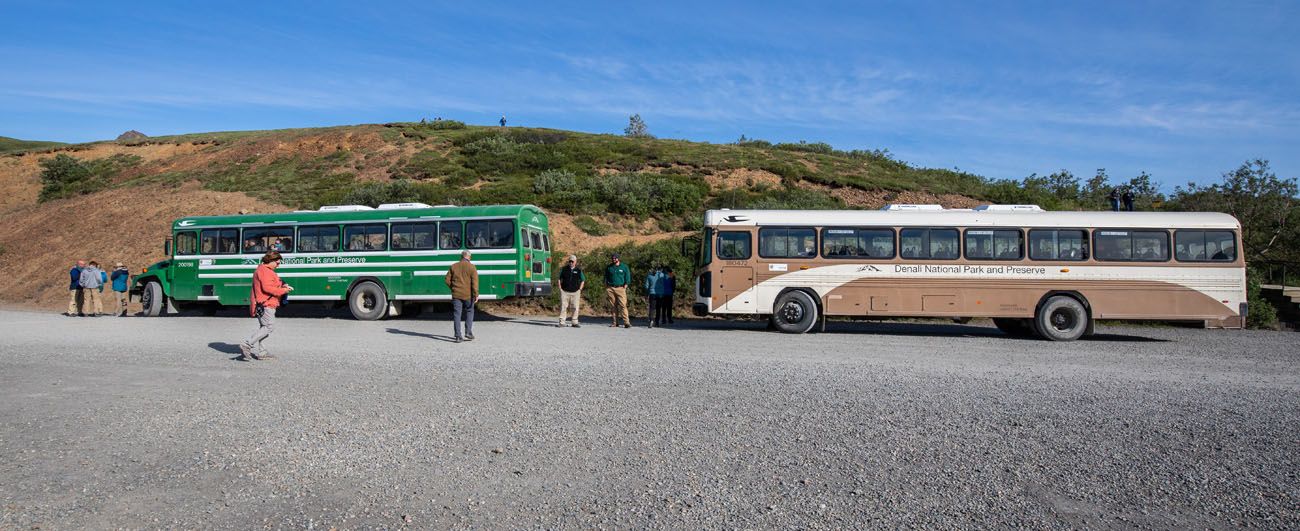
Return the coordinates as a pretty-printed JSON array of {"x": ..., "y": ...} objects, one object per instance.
[
  {"x": 262, "y": 304},
  {"x": 121, "y": 276},
  {"x": 92, "y": 281},
  {"x": 654, "y": 286},
  {"x": 572, "y": 280},
  {"x": 617, "y": 277},
  {"x": 75, "y": 296},
  {"x": 503, "y": 120},
  {"x": 462, "y": 278}
]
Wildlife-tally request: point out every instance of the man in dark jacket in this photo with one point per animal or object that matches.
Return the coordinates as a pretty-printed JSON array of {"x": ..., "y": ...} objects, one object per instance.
[
  {"x": 75, "y": 296},
  {"x": 572, "y": 280}
]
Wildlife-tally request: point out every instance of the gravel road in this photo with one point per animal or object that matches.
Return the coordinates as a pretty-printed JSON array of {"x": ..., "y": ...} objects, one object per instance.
[{"x": 135, "y": 422}]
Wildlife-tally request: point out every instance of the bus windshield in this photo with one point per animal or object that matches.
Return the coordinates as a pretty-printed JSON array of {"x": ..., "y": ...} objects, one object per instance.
[{"x": 706, "y": 247}]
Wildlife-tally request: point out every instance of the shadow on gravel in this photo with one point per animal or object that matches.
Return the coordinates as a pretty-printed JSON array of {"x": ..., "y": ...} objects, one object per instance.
[
  {"x": 226, "y": 348},
  {"x": 397, "y": 331}
]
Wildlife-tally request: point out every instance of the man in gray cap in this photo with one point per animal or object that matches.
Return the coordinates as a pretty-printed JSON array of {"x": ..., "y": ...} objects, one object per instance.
[
  {"x": 617, "y": 277},
  {"x": 572, "y": 280}
]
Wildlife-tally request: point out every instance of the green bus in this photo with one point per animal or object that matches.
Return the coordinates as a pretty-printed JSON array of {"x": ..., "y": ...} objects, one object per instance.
[{"x": 375, "y": 260}]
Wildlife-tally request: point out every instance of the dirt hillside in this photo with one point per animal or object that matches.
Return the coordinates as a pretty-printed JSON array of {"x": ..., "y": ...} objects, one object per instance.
[{"x": 128, "y": 225}]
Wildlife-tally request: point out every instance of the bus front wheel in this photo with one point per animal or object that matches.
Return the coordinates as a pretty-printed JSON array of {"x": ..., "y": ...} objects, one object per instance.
[
  {"x": 795, "y": 312},
  {"x": 368, "y": 302},
  {"x": 1062, "y": 318},
  {"x": 151, "y": 299}
]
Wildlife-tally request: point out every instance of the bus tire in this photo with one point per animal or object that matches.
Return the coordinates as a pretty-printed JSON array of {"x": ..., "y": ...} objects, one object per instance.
[
  {"x": 1061, "y": 318},
  {"x": 1014, "y": 327},
  {"x": 795, "y": 312},
  {"x": 152, "y": 299},
  {"x": 368, "y": 302}
]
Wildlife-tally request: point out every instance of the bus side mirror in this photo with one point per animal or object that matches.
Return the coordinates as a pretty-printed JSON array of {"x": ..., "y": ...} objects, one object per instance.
[
  {"x": 167, "y": 248},
  {"x": 690, "y": 246}
]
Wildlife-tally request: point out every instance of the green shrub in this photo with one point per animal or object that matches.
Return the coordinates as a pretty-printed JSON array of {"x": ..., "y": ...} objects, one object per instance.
[
  {"x": 65, "y": 176},
  {"x": 377, "y": 193},
  {"x": 639, "y": 259},
  {"x": 1261, "y": 313},
  {"x": 590, "y": 226},
  {"x": 804, "y": 146},
  {"x": 441, "y": 125},
  {"x": 425, "y": 165}
]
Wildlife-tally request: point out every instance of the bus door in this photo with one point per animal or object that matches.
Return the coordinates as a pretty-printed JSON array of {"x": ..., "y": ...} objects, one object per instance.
[
  {"x": 736, "y": 274},
  {"x": 185, "y": 266}
]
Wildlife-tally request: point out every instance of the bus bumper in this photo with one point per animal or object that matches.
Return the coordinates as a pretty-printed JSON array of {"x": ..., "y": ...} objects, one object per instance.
[{"x": 532, "y": 289}]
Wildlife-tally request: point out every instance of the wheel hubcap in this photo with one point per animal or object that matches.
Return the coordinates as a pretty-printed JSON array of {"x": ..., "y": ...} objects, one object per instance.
[
  {"x": 792, "y": 312},
  {"x": 1063, "y": 320}
]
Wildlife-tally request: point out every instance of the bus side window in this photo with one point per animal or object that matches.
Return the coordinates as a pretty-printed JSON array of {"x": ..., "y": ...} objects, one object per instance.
[
  {"x": 219, "y": 241},
  {"x": 370, "y": 237},
  {"x": 186, "y": 243},
  {"x": 1068, "y": 245},
  {"x": 1205, "y": 246},
  {"x": 449, "y": 235},
  {"x": 734, "y": 245}
]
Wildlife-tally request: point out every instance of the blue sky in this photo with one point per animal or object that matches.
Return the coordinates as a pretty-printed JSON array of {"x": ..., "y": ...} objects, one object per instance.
[{"x": 1182, "y": 90}]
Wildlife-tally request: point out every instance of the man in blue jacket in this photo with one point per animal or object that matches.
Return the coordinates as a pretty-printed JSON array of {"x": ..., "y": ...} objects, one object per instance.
[
  {"x": 654, "y": 288},
  {"x": 75, "y": 296},
  {"x": 120, "y": 278}
]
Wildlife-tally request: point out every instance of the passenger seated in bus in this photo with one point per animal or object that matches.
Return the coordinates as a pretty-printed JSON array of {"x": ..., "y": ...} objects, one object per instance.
[
  {"x": 375, "y": 242},
  {"x": 399, "y": 242},
  {"x": 357, "y": 242},
  {"x": 1227, "y": 252},
  {"x": 449, "y": 240},
  {"x": 253, "y": 245}
]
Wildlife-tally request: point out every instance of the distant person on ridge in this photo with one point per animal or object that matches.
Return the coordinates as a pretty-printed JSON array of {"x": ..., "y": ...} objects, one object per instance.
[
  {"x": 76, "y": 299},
  {"x": 262, "y": 303},
  {"x": 1114, "y": 199},
  {"x": 1128, "y": 199},
  {"x": 121, "y": 276},
  {"x": 572, "y": 280},
  {"x": 462, "y": 278},
  {"x": 617, "y": 277},
  {"x": 92, "y": 281},
  {"x": 503, "y": 120}
]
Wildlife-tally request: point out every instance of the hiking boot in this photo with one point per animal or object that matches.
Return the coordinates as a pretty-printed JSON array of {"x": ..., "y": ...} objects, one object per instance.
[
  {"x": 576, "y": 325},
  {"x": 245, "y": 353},
  {"x": 265, "y": 356},
  {"x": 458, "y": 340},
  {"x": 469, "y": 337},
  {"x": 627, "y": 325}
]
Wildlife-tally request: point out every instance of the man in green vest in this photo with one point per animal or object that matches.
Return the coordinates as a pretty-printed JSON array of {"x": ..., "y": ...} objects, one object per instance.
[{"x": 617, "y": 277}]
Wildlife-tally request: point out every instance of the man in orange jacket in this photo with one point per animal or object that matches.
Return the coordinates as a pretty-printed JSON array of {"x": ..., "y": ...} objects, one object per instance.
[{"x": 267, "y": 290}]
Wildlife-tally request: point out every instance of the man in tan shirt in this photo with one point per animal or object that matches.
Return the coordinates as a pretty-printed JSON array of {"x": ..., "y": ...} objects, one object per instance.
[{"x": 462, "y": 278}]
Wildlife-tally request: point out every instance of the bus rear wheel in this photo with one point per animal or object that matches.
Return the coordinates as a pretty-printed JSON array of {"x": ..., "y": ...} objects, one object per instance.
[
  {"x": 795, "y": 312},
  {"x": 1062, "y": 318},
  {"x": 368, "y": 302},
  {"x": 151, "y": 299}
]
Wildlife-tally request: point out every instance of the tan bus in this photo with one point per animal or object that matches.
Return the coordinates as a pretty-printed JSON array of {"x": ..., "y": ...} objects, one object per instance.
[{"x": 1033, "y": 271}]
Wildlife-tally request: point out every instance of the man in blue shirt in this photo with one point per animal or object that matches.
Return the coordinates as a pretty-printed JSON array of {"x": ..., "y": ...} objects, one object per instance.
[
  {"x": 120, "y": 278},
  {"x": 654, "y": 287}
]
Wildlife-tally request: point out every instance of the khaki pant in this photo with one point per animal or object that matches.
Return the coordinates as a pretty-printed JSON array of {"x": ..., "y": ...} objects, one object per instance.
[
  {"x": 121, "y": 302},
  {"x": 618, "y": 303},
  {"x": 75, "y": 301},
  {"x": 265, "y": 325},
  {"x": 93, "y": 299},
  {"x": 569, "y": 299}
]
